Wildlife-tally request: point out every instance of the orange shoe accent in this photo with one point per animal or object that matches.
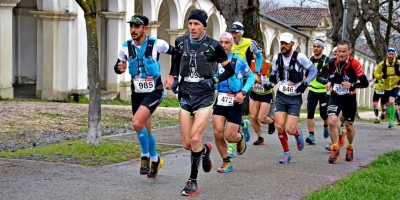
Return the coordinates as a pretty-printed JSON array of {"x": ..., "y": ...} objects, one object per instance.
[{"x": 342, "y": 138}]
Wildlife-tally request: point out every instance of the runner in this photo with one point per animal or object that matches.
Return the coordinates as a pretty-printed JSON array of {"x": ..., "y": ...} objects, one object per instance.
[
  {"x": 231, "y": 94},
  {"x": 378, "y": 94},
  {"x": 141, "y": 52},
  {"x": 398, "y": 108},
  {"x": 343, "y": 72},
  {"x": 195, "y": 64},
  {"x": 389, "y": 71},
  {"x": 287, "y": 70},
  {"x": 317, "y": 93},
  {"x": 245, "y": 48}
]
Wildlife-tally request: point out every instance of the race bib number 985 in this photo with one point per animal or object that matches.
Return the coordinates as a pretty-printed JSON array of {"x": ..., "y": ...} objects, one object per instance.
[
  {"x": 144, "y": 85},
  {"x": 225, "y": 99},
  {"x": 339, "y": 89},
  {"x": 287, "y": 88}
]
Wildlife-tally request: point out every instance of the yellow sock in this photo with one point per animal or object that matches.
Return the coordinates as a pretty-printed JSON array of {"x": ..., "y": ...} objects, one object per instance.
[
  {"x": 350, "y": 146},
  {"x": 335, "y": 146}
]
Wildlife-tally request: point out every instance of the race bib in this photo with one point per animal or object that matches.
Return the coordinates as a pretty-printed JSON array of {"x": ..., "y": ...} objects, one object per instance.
[
  {"x": 144, "y": 85},
  {"x": 225, "y": 99},
  {"x": 193, "y": 77},
  {"x": 287, "y": 88},
  {"x": 380, "y": 92},
  {"x": 339, "y": 89},
  {"x": 257, "y": 87}
]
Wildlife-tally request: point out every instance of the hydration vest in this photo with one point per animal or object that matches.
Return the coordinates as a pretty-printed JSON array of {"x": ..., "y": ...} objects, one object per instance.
[
  {"x": 234, "y": 83},
  {"x": 144, "y": 60},
  {"x": 293, "y": 75},
  {"x": 243, "y": 50},
  {"x": 396, "y": 68},
  {"x": 198, "y": 59}
]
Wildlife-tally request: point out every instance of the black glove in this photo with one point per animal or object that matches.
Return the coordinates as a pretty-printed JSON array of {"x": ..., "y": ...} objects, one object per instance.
[
  {"x": 175, "y": 85},
  {"x": 268, "y": 86},
  {"x": 207, "y": 84},
  {"x": 384, "y": 76},
  {"x": 301, "y": 88},
  {"x": 272, "y": 78}
]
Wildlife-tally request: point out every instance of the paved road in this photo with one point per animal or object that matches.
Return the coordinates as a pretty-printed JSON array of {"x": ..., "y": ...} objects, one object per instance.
[{"x": 257, "y": 174}]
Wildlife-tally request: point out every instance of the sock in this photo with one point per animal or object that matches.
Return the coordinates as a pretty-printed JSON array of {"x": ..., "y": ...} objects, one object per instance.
[
  {"x": 143, "y": 139},
  {"x": 152, "y": 148},
  {"x": 391, "y": 110},
  {"x": 226, "y": 159},
  {"x": 376, "y": 112},
  {"x": 284, "y": 141},
  {"x": 335, "y": 146},
  {"x": 195, "y": 160},
  {"x": 340, "y": 132},
  {"x": 244, "y": 125},
  {"x": 384, "y": 110},
  {"x": 297, "y": 134},
  {"x": 311, "y": 132},
  {"x": 350, "y": 146},
  {"x": 398, "y": 116}
]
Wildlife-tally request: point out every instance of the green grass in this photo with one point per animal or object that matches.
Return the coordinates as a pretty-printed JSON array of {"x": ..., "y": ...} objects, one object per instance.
[
  {"x": 359, "y": 109},
  {"x": 166, "y": 102},
  {"x": 169, "y": 102},
  {"x": 18, "y": 100},
  {"x": 380, "y": 180},
  {"x": 78, "y": 152}
]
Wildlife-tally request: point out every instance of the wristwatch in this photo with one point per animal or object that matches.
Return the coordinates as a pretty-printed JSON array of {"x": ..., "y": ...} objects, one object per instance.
[
  {"x": 243, "y": 92},
  {"x": 215, "y": 80}
]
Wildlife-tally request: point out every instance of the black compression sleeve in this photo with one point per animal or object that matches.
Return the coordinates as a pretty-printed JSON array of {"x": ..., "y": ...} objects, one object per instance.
[
  {"x": 229, "y": 71},
  {"x": 116, "y": 67}
]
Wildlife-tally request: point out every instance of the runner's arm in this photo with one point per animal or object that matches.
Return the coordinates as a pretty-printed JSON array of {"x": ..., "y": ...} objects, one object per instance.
[
  {"x": 163, "y": 47},
  {"x": 249, "y": 75},
  {"x": 378, "y": 71},
  {"x": 122, "y": 56},
  {"x": 362, "y": 79},
  {"x": 176, "y": 58},
  {"x": 309, "y": 66},
  {"x": 259, "y": 57},
  {"x": 221, "y": 57}
]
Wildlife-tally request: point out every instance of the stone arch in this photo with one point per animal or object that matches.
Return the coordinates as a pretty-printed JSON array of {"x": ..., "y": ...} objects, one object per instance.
[
  {"x": 213, "y": 26},
  {"x": 275, "y": 46},
  {"x": 171, "y": 7}
]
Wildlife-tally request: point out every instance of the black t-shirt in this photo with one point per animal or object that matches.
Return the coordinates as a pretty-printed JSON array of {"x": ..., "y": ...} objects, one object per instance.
[{"x": 218, "y": 56}]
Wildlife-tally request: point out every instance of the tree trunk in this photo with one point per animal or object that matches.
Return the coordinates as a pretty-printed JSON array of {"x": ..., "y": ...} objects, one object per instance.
[
  {"x": 247, "y": 12},
  {"x": 94, "y": 112}
]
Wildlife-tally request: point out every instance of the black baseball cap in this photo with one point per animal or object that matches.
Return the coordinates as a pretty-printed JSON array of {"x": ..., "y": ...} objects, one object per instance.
[{"x": 139, "y": 19}]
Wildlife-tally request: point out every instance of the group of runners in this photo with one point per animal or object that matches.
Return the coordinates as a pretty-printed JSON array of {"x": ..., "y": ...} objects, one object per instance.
[{"x": 214, "y": 78}]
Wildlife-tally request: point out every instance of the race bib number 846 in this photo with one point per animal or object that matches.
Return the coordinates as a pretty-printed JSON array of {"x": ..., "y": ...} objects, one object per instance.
[{"x": 287, "y": 88}]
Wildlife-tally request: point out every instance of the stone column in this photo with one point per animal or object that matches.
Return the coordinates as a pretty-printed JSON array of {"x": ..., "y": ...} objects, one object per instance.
[
  {"x": 153, "y": 26},
  {"x": 55, "y": 53},
  {"x": 6, "y": 48},
  {"x": 173, "y": 34},
  {"x": 113, "y": 43}
]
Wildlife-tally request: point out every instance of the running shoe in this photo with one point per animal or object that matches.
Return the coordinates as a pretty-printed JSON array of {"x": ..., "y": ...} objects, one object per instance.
[
  {"x": 383, "y": 115},
  {"x": 271, "y": 126},
  {"x": 225, "y": 168},
  {"x": 155, "y": 166},
  {"x": 391, "y": 124},
  {"x": 342, "y": 138},
  {"x": 310, "y": 139},
  {"x": 207, "y": 161},
  {"x": 334, "y": 156},
  {"x": 259, "y": 141},
  {"x": 328, "y": 147},
  {"x": 246, "y": 130},
  {"x": 241, "y": 146},
  {"x": 190, "y": 188},
  {"x": 300, "y": 141},
  {"x": 377, "y": 121},
  {"x": 286, "y": 158},
  {"x": 231, "y": 150},
  {"x": 349, "y": 155},
  {"x": 144, "y": 165},
  {"x": 326, "y": 132}
]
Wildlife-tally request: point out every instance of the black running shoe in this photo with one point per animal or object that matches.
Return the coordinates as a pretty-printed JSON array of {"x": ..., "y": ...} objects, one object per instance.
[
  {"x": 259, "y": 141},
  {"x": 155, "y": 166},
  {"x": 190, "y": 188},
  {"x": 207, "y": 161},
  {"x": 145, "y": 166},
  {"x": 271, "y": 126},
  {"x": 334, "y": 156}
]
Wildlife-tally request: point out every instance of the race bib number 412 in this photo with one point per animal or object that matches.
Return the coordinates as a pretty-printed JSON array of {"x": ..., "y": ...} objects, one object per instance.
[
  {"x": 144, "y": 85},
  {"x": 287, "y": 88},
  {"x": 225, "y": 99},
  {"x": 339, "y": 89}
]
